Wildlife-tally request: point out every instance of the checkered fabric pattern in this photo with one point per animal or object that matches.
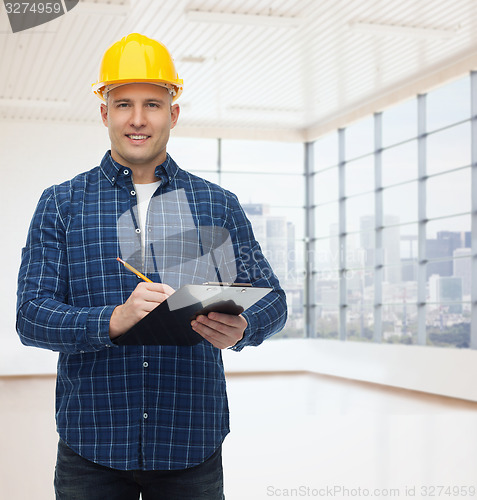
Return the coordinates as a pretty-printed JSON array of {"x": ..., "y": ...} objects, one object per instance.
[{"x": 129, "y": 407}]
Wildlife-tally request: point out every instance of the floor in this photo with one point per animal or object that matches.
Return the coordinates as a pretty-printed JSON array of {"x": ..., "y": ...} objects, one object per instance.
[
  {"x": 311, "y": 436},
  {"x": 295, "y": 435}
]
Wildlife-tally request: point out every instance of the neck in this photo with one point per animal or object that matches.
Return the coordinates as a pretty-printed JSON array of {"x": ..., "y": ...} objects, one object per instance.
[{"x": 143, "y": 175}]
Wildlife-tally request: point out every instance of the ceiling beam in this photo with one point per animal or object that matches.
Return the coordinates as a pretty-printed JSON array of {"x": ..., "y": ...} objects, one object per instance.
[
  {"x": 203, "y": 16},
  {"x": 415, "y": 32}
]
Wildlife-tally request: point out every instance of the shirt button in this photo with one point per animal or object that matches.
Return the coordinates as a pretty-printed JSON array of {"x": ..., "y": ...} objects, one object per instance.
[
  {"x": 145, "y": 364},
  {"x": 138, "y": 230},
  {"x": 113, "y": 179},
  {"x": 133, "y": 193},
  {"x": 145, "y": 415},
  {"x": 125, "y": 172}
]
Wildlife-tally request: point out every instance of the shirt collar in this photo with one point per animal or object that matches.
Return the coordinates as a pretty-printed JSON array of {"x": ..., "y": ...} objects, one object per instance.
[
  {"x": 112, "y": 169},
  {"x": 167, "y": 170}
]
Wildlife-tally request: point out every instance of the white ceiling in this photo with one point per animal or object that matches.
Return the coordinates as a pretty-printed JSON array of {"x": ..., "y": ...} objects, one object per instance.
[{"x": 338, "y": 60}]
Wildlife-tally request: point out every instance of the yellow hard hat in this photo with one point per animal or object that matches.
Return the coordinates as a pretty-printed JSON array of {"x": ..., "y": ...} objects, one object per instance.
[{"x": 137, "y": 59}]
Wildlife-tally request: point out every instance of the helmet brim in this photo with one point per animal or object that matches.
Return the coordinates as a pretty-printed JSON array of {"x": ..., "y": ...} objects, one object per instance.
[{"x": 101, "y": 88}]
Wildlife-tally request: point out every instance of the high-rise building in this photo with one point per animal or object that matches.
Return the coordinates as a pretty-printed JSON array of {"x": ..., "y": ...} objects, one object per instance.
[
  {"x": 468, "y": 239},
  {"x": 276, "y": 236},
  {"x": 409, "y": 269},
  {"x": 391, "y": 245},
  {"x": 409, "y": 255},
  {"x": 442, "y": 247},
  {"x": 277, "y": 242},
  {"x": 462, "y": 266},
  {"x": 445, "y": 291}
]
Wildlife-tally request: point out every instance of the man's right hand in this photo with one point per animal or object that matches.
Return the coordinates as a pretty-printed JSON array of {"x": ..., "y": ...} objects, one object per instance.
[{"x": 141, "y": 302}]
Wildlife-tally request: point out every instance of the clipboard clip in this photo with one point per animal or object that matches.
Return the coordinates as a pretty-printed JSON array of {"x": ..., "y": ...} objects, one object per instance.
[{"x": 225, "y": 283}]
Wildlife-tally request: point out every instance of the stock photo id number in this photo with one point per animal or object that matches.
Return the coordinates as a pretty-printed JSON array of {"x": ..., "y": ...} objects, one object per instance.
[{"x": 26, "y": 15}]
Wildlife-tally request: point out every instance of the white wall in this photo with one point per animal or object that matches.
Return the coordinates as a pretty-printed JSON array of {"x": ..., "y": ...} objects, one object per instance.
[{"x": 33, "y": 156}]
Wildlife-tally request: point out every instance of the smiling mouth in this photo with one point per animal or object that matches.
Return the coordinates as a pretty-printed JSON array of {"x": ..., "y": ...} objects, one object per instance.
[{"x": 137, "y": 137}]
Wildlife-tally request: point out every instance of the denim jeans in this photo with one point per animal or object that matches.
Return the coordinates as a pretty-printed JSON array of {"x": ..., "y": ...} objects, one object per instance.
[{"x": 79, "y": 479}]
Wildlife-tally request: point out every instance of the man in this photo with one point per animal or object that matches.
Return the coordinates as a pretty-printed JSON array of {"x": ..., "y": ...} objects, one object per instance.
[{"x": 136, "y": 420}]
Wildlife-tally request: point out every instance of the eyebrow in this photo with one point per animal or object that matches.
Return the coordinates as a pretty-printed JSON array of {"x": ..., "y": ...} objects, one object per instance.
[{"x": 148, "y": 99}]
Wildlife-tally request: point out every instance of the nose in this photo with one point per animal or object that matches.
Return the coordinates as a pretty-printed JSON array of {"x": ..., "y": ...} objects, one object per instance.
[{"x": 138, "y": 117}]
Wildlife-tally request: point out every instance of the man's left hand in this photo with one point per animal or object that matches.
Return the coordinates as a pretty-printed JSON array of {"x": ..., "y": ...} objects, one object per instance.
[{"x": 221, "y": 330}]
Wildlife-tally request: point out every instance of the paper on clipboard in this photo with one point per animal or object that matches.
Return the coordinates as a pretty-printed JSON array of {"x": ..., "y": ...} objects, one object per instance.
[{"x": 244, "y": 296}]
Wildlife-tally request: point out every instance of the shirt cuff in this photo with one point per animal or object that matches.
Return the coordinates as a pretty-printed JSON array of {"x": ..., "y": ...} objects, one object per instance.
[
  {"x": 97, "y": 327},
  {"x": 245, "y": 340}
]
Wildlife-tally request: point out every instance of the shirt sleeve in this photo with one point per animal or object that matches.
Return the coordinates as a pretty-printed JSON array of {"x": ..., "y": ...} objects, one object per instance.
[
  {"x": 268, "y": 316},
  {"x": 44, "y": 317}
]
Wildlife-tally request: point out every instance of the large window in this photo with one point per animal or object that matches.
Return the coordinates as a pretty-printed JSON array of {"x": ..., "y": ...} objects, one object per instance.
[
  {"x": 392, "y": 207},
  {"x": 268, "y": 179},
  {"x": 369, "y": 227}
]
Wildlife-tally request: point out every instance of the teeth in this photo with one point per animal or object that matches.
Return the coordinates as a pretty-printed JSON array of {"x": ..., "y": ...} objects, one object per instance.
[{"x": 137, "y": 137}]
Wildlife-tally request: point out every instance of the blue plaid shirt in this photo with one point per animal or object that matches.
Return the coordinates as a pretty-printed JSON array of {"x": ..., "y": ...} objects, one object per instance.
[{"x": 129, "y": 407}]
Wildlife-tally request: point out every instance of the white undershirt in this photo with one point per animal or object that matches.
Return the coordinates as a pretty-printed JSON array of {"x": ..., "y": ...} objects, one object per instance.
[{"x": 144, "y": 194}]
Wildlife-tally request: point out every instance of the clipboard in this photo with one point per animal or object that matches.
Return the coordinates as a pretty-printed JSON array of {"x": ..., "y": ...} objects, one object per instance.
[{"x": 169, "y": 323}]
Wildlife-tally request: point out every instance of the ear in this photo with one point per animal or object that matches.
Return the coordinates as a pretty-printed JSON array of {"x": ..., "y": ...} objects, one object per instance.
[
  {"x": 104, "y": 114},
  {"x": 175, "y": 110}
]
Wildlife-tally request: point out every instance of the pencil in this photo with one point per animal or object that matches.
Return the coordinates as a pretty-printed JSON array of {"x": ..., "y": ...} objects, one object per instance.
[{"x": 135, "y": 271}]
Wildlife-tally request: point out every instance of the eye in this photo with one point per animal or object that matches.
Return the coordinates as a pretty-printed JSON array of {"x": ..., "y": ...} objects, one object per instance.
[
  {"x": 152, "y": 104},
  {"x": 122, "y": 105}
]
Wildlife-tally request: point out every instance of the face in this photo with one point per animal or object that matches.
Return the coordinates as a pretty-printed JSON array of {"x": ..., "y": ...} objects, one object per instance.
[{"x": 139, "y": 117}]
